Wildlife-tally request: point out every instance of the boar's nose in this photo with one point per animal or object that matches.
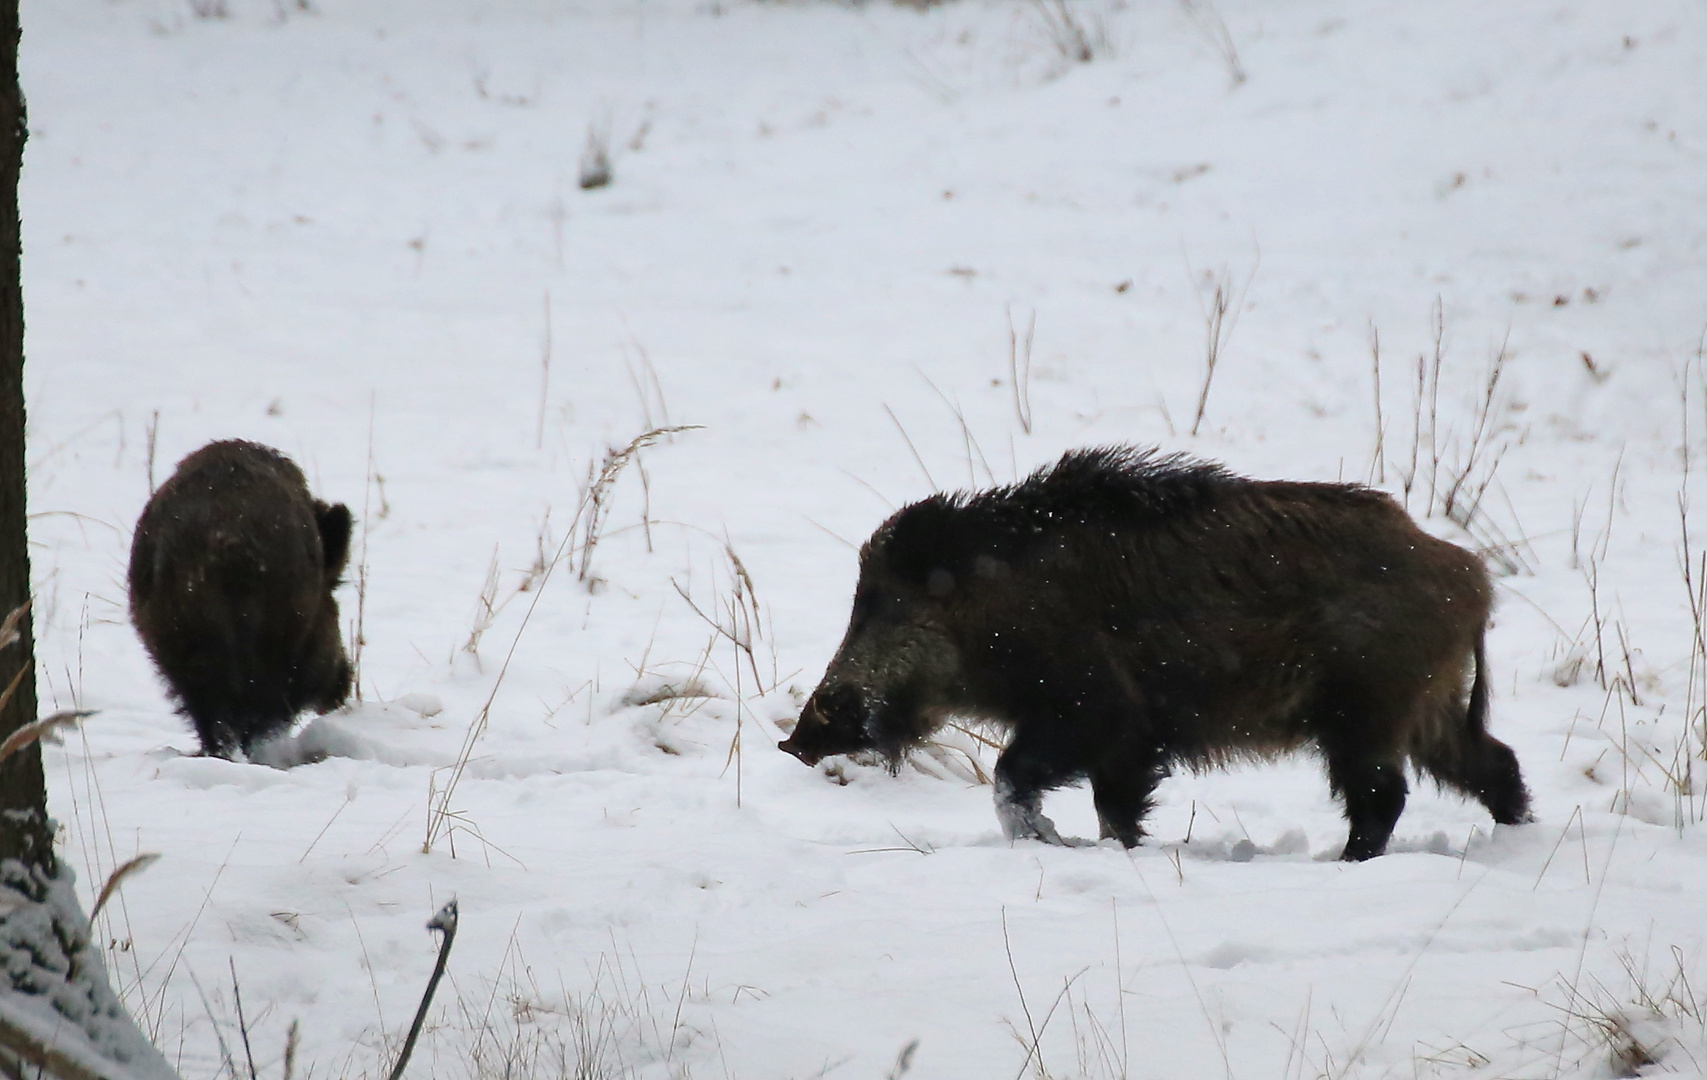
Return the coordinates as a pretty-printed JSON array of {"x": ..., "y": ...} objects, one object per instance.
[
  {"x": 788, "y": 745},
  {"x": 810, "y": 718},
  {"x": 817, "y": 734}
]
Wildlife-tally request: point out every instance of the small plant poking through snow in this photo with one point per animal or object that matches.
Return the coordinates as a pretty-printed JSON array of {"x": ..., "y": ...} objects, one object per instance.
[
  {"x": 1652, "y": 1024},
  {"x": 595, "y": 158},
  {"x": 1077, "y": 32},
  {"x": 1452, "y": 472},
  {"x": 580, "y": 539},
  {"x": 610, "y": 1030},
  {"x": 1220, "y": 299},
  {"x": 1213, "y": 27}
]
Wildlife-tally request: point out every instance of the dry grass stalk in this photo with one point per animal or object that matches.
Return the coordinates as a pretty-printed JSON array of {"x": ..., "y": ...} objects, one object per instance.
[
  {"x": 584, "y": 527},
  {"x": 118, "y": 877},
  {"x": 738, "y": 621},
  {"x": 1019, "y": 367},
  {"x": 918, "y": 459},
  {"x": 903, "y": 1061},
  {"x": 969, "y": 440},
  {"x": 242, "y": 1021},
  {"x": 9, "y": 629},
  {"x": 1457, "y": 475},
  {"x": 1203, "y": 15},
  {"x": 1220, "y": 315},
  {"x": 9, "y": 632},
  {"x": 153, "y": 434},
  {"x": 44, "y": 729},
  {"x": 486, "y": 609},
  {"x": 293, "y": 1038},
  {"x": 1464, "y": 491},
  {"x": 1633, "y": 1030},
  {"x": 1033, "y": 1060},
  {"x": 654, "y": 410},
  {"x": 359, "y": 641},
  {"x": 1692, "y": 563},
  {"x": 1378, "y": 462},
  {"x": 1425, "y": 415},
  {"x": 1078, "y": 36},
  {"x": 596, "y": 498},
  {"x": 518, "y": 1030}
]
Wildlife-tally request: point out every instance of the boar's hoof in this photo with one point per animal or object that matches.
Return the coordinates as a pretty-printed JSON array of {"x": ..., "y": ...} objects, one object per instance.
[{"x": 1022, "y": 819}]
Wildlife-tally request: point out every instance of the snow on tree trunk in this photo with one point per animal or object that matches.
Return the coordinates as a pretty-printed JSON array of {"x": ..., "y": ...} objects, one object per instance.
[{"x": 57, "y": 1009}]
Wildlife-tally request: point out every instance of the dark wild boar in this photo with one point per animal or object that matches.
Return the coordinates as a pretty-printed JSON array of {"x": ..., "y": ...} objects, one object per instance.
[
  {"x": 1122, "y": 612},
  {"x": 231, "y": 578}
]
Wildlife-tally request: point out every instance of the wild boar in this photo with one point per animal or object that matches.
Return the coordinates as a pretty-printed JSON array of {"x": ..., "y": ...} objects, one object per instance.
[
  {"x": 1123, "y": 612},
  {"x": 231, "y": 577}
]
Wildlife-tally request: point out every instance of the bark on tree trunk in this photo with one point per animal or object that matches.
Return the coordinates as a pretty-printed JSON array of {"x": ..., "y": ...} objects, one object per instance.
[
  {"x": 59, "y": 1016},
  {"x": 25, "y": 832}
]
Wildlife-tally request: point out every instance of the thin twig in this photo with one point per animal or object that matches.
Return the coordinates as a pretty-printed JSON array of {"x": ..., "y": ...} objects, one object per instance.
[
  {"x": 219, "y": 1036},
  {"x": 242, "y": 1023},
  {"x": 445, "y": 923}
]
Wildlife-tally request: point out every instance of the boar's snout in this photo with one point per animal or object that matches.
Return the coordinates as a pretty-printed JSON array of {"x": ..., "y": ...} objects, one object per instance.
[
  {"x": 833, "y": 722},
  {"x": 790, "y": 746}
]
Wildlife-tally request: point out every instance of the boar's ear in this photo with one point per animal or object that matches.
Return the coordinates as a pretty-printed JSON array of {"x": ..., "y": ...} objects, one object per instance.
[
  {"x": 927, "y": 536},
  {"x": 939, "y": 582},
  {"x": 334, "y": 522},
  {"x": 944, "y": 535},
  {"x": 142, "y": 556}
]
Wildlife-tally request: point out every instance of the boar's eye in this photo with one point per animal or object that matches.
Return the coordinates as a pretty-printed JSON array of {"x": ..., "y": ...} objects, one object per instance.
[{"x": 940, "y": 582}]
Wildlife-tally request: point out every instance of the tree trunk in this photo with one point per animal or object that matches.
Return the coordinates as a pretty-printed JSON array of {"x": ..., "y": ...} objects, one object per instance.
[
  {"x": 59, "y": 1016},
  {"x": 25, "y": 833}
]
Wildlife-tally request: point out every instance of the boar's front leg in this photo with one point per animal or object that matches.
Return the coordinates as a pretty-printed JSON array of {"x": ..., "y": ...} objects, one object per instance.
[{"x": 1031, "y": 766}]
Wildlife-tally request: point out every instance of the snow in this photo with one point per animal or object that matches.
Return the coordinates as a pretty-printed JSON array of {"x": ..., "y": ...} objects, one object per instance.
[{"x": 354, "y": 232}]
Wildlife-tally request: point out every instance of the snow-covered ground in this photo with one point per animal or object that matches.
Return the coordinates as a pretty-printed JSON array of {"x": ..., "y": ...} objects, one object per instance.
[{"x": 356, "y": 233}]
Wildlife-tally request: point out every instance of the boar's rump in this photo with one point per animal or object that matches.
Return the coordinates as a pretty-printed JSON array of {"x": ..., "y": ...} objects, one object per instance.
[
  {"x": 231, "y": 576},
  {"x": 1122, "y": 612}
]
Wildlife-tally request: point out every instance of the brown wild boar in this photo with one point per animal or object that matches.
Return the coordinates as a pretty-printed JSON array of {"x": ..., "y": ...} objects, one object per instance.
[
  {"x": 231, "y": 577},
  {"x": 1122, "y": 612}
]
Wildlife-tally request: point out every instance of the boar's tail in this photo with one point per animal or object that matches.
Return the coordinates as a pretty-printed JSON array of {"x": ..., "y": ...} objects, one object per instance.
[{"x": 1476, "y": 716}]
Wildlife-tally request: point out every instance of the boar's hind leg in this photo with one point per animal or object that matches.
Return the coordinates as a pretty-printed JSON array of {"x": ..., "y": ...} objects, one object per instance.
[
  {"x": 1374, "y": 790},
  {"x": 215, "y": 720},
  {"x": 1029, "y": 767},
  {"x": 1486, "y": 770},
  {"x": 1122, "y": 791}
]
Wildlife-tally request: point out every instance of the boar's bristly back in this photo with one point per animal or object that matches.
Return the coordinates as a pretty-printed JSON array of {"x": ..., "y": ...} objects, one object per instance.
[{"x": 1109, "y": 487}]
